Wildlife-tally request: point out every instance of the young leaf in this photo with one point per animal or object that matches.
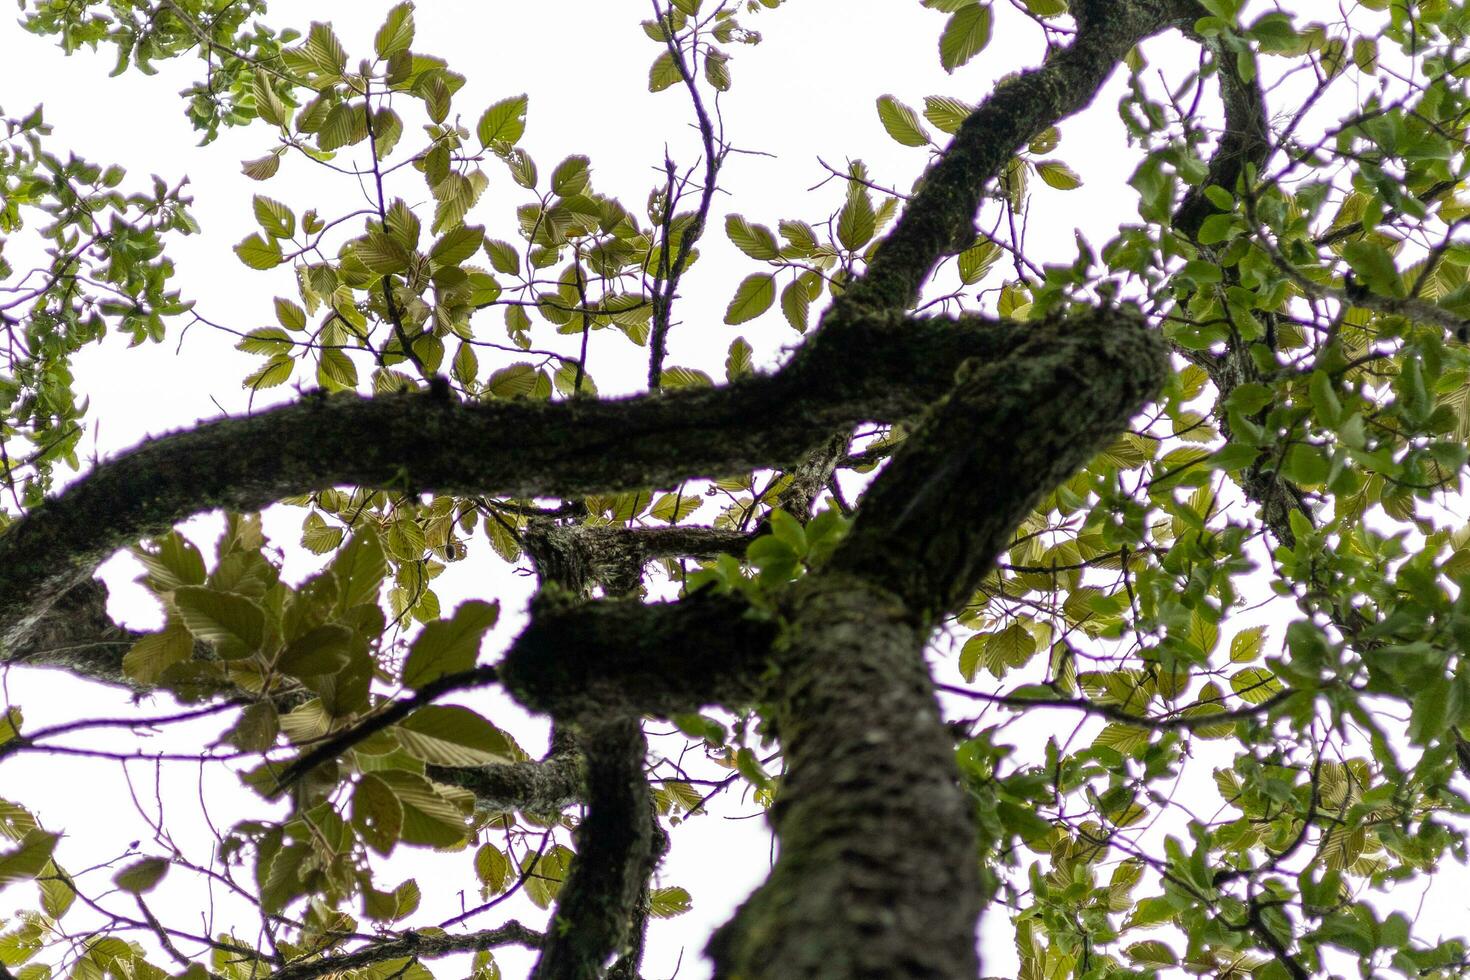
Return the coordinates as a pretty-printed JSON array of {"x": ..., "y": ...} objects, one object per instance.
[
  {"x": 966, "y": 35},
  {"x": 448, "y": 646},
  {"x": 503, "y": 122},
  {"x": 901, "y": 122},
  {"x": 752, "y": 298}
]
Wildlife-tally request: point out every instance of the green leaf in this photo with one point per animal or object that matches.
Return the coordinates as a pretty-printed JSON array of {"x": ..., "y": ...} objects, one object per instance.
[
  {"x": 171, "y": 561},
  {"x": 492, "y": 867},
  {"x": 266, "y": 340},
  {"x": 857, "y": 221},
  {"x": 274, "y": 217},
  {"x": 1245, "y": 646},
  {"x": 738, "y": 359},
  {"x": 1057, "y": 174},
  {"x": 1375, "y": 267},
  {"x": 377, "y": 815},
  {"x": 318, "y": 652},
  {"x": 966, "y": 35},
  {"x": 142, "y": 876},
  {"x": 154, "y": 653},
  {"x": 795, "y": 305},
  {"x": 274, "y": 372},
  {"x": 756, "y": 241},
  {"x": 503, "y": 257},
  {"x": 717, "y": 70},
  {"x": 456, "y": 245},
  {"x": 263, "y": 168},
  {"x": 665, "y": 903},
  {"x": 28, "y": 859},
  {"x": 901, "y": 122},
  {"x": 360, "y": 568},
  {"x": 945, "y": 113},
  {"x": 1152, "y": 953},
  {"x": 752, "y": 297},
  {"x": 453, "y": 736},
  {"x": 290, "y": 315},
  {"x": 1255, "y": 684},
  {"x": 449, "y": 646},
  {"x": 433, "y": 815},
  {"x": 396, "y": 34},
  {"x": 258, "y": 253},
  {"x": 233, "y": 624},
  {"x": 663, "y": 73},
  {"x": 571, "y": 176},
  {"x": 503, "y": 122}
]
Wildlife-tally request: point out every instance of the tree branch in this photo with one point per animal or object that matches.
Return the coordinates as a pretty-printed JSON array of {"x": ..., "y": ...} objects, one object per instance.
[
  {"x": 412, "y": 945},
  {"x": 416, "y": 442}
]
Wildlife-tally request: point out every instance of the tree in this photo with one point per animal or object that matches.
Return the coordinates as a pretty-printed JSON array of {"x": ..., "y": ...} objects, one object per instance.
[{"x": 1257, "y": 397}]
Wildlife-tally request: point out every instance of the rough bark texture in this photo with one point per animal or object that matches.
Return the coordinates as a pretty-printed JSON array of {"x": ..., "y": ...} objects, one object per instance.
[
  {"x": 622, "y": 655},
  {"x": 545, "y": 787},
  {"x": 419, "y": 443},
  {"x": 616, "y": 853},
  {"x": 981, "y": 460},
  {"x": 878, "y": 874}
]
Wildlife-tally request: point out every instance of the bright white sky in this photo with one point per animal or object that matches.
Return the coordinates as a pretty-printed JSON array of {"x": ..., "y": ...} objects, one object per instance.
[{"x": 808, "y": 91}]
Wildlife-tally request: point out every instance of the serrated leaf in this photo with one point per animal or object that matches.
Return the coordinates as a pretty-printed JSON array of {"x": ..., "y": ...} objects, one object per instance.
[
  {"x": 663, "y": 72},
  {"x": 142, "y": 876},
  {"x": 901, "y": 122},
  {"x": 717, "y": 70},
  {"x": 665, "y": 903},
  {"x": 857, "y": 221},
  {"x": 377, "y": 814},
  {"x": 433, "y": 815},
  {"x": 492, "y": 867},
  {"x": 503, "y": 122},
  {"x": 1255, "y": 684},
  {"x": 274, "y": 218},
  {"x": 289, "y": 314},
  {"x": 233, "y": 624},
  {"x": 753, "y": 296},
  {"x": 259, "y": 253},
  {"x": 154, "y": 653},
  {"x": 396, "y": 34},
  {"x": 738, "y": 359},
  {"x": 571, "y": 176},
  {"x": 318, "y": 652},
  {"x": 29, "y": 858},
  {"x": 674, "y": 507},
  {"x": 448, "y": 735},
  {"x": 457, "y": 244},
  {"x": 683, "y": 377},
  {"x": 756, "y": 241},
  {"x": 1245, "y": 646},
  {"x": 1057, "y": 174},
  {"x": 263, "y": 168},
  {"x": 266, "y": 340},
  {"x": 449, "y": 646},
  {"x": 274, "y": 372},
  {"x": 966, "y": 35},
  {"x": 945, "y": 113}
]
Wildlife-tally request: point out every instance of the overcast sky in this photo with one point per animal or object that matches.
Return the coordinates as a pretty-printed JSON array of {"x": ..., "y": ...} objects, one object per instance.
[{"x": 806, "y": 93}]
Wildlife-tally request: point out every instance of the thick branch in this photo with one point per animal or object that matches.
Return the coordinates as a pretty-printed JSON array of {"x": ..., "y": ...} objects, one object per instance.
[
  {"x": 616, "y": 851},
  {"x": 940, "y": 214},
  {"x": 931, "y": 526},
  {"x": 623, "y": 656},
  {"x": 412, "y": 945},
  {"x": 870, "y": 789},
  {"x": 416, "y": 442},
  {"x": 543, "y": 788},
  {"x": 1245, "y": 142}
]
